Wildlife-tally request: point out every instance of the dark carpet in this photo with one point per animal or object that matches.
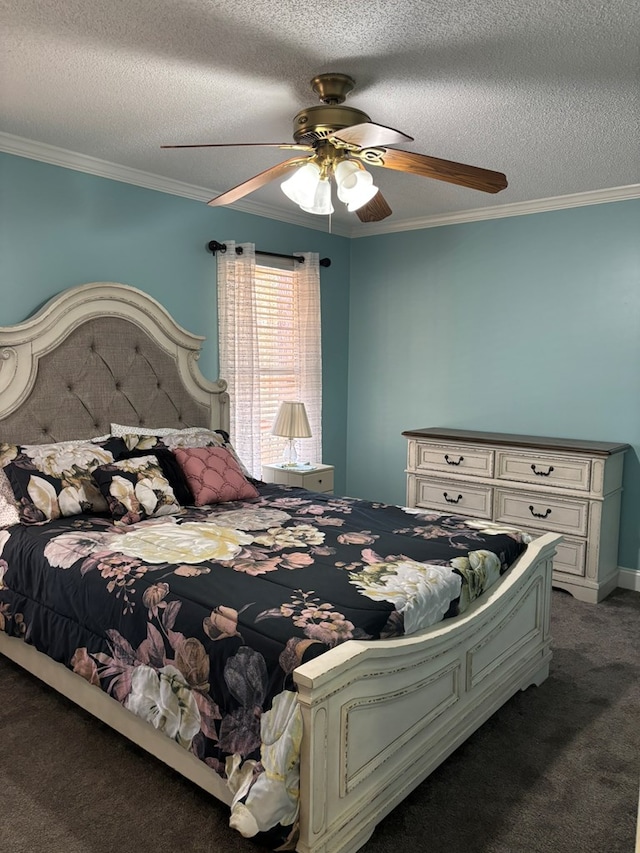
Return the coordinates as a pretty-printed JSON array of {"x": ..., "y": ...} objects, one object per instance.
[{"x": 553, "y": 771}]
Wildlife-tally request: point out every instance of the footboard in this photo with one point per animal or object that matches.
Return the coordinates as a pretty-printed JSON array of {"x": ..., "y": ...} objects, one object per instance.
[{"x": 380, "y": 716}]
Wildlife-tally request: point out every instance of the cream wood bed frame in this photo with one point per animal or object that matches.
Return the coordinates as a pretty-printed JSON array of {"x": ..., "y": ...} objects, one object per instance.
[{"x": 378, "y": 716}]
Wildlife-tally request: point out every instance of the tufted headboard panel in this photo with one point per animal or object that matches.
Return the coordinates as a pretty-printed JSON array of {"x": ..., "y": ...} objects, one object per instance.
[{"x": 97, "y": 354}]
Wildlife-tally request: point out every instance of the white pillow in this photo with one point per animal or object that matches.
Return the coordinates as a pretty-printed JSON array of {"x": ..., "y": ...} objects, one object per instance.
[{"x": 119, "y": 430}]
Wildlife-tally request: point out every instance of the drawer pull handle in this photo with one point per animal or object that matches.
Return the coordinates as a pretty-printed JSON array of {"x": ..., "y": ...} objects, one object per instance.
[
  {"x": 452, "y": 500},
  {"x": 452, "y": 461},
  {"x": 541, "y": 473},
  {"x": 540, "y": 514}
]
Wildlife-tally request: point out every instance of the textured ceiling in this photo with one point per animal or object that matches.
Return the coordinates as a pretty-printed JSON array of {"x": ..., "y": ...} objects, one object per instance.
[{"x": 547, "y": 92}]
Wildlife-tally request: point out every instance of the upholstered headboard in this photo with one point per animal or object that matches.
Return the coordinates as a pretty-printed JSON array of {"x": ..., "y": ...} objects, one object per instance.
[{"x": 102, "y": 353}]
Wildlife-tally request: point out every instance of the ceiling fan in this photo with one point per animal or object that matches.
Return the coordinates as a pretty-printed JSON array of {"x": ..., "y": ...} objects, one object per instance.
[{"x": 336, "y": 141}]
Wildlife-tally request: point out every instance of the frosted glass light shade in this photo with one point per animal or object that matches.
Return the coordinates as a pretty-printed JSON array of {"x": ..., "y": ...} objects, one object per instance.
[
  {"x": 345, "y": 174},
  {"x": 361, "y": 195},
  {"x": 355, "y": 185},
  {"x": 302, "y": 185},
  {"x": 322, "y": 199}
]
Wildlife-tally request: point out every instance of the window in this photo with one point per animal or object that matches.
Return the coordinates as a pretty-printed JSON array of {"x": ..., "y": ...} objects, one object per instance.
[{"x": 270, "y": 351}]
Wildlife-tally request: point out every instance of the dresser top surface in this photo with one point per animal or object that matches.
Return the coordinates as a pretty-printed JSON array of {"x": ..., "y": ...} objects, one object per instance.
[{"x": 598, "y": 448}]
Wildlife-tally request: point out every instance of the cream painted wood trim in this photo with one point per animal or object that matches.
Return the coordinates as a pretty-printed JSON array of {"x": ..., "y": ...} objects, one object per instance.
[
  {"x": 629, "y": 579},
  {"x": 380, "y": 716},
  {"x": 501, "y": 211},
  {"x": 104, "y": 169},
  {"x": 22, "y": 345},
  {"x": 82, "y": 163}
]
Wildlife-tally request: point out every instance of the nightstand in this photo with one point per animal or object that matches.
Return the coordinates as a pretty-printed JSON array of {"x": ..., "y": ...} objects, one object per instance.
[{"x": 316, "y": 479}]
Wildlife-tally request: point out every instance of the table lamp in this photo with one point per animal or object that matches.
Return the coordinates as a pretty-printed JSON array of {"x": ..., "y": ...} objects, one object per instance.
[{"x": 291, "y": 422}]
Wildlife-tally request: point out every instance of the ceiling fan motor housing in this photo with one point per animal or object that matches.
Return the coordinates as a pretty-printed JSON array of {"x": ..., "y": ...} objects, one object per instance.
[{"x": 315, "y": 123}]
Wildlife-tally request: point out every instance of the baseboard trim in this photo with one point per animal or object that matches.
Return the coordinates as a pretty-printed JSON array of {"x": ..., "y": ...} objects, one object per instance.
[{"x": 628, "y": 579}]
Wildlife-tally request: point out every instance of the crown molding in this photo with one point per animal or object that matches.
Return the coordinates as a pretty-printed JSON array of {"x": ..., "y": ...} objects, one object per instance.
[
  {"x": 21, "y": 147},
  {"x": 102, "y": 168},
  {"x": 522, "y": 208},
  {"x": 55, "y": 156}
]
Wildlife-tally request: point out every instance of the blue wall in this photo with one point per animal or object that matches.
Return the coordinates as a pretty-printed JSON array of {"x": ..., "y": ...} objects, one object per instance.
[
  {"x": 529, "y": 324},
  {"x": 59, "y": 228}
]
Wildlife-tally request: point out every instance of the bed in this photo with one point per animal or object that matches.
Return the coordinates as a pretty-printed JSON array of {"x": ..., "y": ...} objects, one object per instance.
[{"x": 367, "y": 702}]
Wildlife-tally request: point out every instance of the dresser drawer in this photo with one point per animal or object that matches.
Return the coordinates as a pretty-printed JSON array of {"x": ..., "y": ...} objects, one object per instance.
[
  {"x": 546, "y": 470},
  {"x": 322, "y": 481},
  {"x": 452, "y": 458},
  {"x": 571, "y": 557},
  {"x": 454, "y": 497},
  {"x": 546, "y": 512},
  {"x": 317, "y": 479}
]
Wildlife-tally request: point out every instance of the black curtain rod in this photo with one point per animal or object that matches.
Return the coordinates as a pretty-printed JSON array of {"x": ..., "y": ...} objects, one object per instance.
[{"x": 214, "y": 246}]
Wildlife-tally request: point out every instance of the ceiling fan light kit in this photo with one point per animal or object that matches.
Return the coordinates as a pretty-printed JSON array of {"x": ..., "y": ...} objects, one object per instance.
[
  {"x": 321, "y": 203},
  {"x": 310, "y": 189},
  {"x": 301, "y": 186},
  {"x": 335, "y": 141},
  {"x": 355, "y": 185}
]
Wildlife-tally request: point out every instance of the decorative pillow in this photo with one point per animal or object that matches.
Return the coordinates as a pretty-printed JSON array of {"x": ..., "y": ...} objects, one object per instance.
[
  {"x": 191, "y": 437},
  {"x": 214, "y": 475},
  {"x": 121, "y": 430},
  {"x": 53, "y": 480},
  {"x": 8, "y": 508},
  {"x": 171, "y": 470},
  {"x": 136, "y": 489}
]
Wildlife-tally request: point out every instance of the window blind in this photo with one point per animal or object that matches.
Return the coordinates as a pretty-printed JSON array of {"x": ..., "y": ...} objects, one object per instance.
[{"x": 270, "y": 351}]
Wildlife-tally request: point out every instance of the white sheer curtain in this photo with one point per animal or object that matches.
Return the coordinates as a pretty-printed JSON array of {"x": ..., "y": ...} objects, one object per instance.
[
  {"x": 252, "y": 327},
  {"x": 309, "y": 348},
  {"x": 239, "y": 355}
]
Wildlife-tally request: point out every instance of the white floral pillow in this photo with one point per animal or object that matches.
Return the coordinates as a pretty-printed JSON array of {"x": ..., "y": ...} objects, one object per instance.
[
  {"x": 135, "y": 489},
  {"x": 191, "y": 437},
  {"x": 53, "y": 480}
]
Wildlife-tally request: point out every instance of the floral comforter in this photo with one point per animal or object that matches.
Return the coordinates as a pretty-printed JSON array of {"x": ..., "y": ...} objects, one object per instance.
[{"x": 196, "y": 622}]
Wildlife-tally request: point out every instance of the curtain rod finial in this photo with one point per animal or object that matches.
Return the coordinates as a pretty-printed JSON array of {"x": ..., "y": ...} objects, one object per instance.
[{"x": 214, "y": 246}]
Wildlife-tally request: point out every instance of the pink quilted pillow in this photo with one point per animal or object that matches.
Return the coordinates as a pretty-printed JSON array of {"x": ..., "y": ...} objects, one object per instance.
[{"x": 214, "y": 475}]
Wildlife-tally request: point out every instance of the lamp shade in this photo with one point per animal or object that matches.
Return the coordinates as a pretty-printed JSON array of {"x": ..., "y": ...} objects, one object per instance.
[
  {"x": 321, "y": 202},
  {"x": 360, "y": 197},
  {"x": 345, "y": 174},
  {"x": 291, "y": 421},
  {"x": 301, "y": 187},
  {"x": 355, "y": 185}
]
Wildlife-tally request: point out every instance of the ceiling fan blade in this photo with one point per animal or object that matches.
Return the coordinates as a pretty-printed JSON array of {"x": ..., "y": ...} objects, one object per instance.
[
  {"x": 374, "y": 210},
  {"x": 257, "y": 181},
  {"x": 368, "y": 134},
  {"x": 290, "y": 145},
  {"x": 432, "y": 167}
]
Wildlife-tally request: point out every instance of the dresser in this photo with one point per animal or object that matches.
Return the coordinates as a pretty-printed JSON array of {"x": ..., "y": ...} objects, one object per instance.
[{"x": 537, "y": 484}]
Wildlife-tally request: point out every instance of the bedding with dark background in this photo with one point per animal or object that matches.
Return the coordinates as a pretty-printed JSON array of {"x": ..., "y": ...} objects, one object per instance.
[{"x": 195, "y": 621}]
